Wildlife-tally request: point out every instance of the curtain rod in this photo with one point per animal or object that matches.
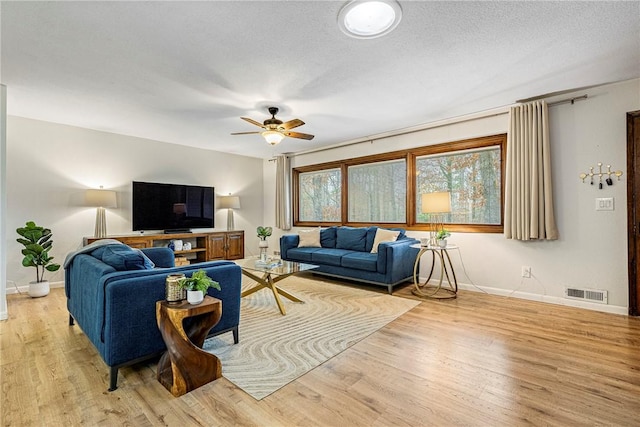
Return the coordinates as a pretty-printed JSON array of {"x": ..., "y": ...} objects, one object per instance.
[
  {"x": 568, "y": 100},
  {"x": 455, "y": 120}
]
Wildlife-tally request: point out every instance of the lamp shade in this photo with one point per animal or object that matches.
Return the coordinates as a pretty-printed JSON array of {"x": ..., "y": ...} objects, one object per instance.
[
  {"x": 101, "y": 198},
  {"x": 439, "y": 202},
  {"x": 229, "y": 202}
]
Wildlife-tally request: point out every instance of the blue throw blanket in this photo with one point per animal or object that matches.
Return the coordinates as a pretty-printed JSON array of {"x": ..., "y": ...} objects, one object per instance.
[{"x": 89, "y": 248}]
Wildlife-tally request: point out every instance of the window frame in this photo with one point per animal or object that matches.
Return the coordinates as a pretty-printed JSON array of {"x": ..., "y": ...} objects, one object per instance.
[{"x": 410, "y": 156}]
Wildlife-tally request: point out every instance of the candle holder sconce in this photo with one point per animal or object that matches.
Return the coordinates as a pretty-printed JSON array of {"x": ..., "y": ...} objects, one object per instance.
[{"x": 598, "y": 175}]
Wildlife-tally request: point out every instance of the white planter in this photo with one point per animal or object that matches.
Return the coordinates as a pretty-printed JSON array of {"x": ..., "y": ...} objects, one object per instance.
[
  {"x": 442, "y": 243},
  {"x": 195, "y": 297},
  {"x": 38, "y": 289},
  {"x": 263, "y": 244}
]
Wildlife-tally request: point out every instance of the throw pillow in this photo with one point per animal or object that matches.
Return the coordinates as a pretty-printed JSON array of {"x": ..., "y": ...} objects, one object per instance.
[
  {"x": 309, "y": 238},
  {"x": 351, "y": 238},
  {"x": 383, "y": 235},
  {"x": 122, "y": 258}
]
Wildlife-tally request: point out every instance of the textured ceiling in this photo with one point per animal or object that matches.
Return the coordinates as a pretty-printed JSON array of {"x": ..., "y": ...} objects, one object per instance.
[{"x": 184, "y": 72}]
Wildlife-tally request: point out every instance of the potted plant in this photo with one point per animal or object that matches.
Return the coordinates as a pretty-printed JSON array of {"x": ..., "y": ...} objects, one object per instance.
[
  {"x": 197, "y": 286},
  {"x": 263, "y": 233},
  {"x": 441, "y": 238},
  {"x": 37, "y": 244}
]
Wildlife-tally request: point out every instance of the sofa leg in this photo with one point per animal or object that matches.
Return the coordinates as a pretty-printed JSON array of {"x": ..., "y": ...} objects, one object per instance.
[
  {"x": 236, "y": 338},
  {"x": 390, "y": 289},
  {"x": 113, "y": 378},
  {"x": 71, "y": 320}
]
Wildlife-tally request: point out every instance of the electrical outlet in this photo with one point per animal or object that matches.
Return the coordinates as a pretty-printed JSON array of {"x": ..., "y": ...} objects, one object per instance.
[
  {"x": 526, "y": 271},
  {"x": 604, "y": 204}
]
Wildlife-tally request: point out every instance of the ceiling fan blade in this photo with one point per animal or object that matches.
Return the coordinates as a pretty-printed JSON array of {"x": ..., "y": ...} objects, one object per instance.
[
  {"x": 244, "y": 133},
  {"x": 291, "y": 124},
  {"x": 253, "y": 122},
  {"x": 298, "y": 135}
]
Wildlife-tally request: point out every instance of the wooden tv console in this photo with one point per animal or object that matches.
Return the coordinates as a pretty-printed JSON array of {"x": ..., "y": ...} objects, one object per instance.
[{"x": 206, "y": 246}]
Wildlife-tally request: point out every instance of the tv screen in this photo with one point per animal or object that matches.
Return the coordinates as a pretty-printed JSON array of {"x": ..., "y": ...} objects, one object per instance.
[{"x": 171, "y": 207}]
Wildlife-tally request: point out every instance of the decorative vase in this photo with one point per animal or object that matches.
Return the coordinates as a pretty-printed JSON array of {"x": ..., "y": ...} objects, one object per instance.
[
  {"x": 442, "y": 243},
  {"x": 263, "y": 245},
  {"x": 195, "y": 297},
  {"x": 38, "y": 289},
  {"x": 174, "y": 293}
]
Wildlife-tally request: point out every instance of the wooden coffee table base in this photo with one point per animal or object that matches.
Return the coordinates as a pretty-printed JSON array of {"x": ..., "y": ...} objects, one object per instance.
[{"x": 185, "y": 366}]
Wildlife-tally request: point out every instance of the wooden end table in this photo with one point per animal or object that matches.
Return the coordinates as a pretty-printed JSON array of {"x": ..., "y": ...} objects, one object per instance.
[{"x": 185, "y": 366}]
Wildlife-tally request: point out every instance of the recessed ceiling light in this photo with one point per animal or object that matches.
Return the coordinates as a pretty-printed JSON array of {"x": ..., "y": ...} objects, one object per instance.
[{"x": 365, "y": 19}]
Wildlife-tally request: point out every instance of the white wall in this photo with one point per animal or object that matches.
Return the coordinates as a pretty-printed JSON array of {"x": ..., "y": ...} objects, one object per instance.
[
  {"x": 592, "y": 249},
  {"x": 50, "y": 166},
  {"x": 3, "y": 202}
]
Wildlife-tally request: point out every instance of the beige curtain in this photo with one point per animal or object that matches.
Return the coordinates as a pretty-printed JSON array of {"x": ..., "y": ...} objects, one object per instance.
[
  {"x": 528, "y": 211},
  {"x": 283, "y": 193}
]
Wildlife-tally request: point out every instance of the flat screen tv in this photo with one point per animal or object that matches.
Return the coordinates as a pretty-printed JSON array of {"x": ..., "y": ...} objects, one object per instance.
[{"x": 171, "y": 207}]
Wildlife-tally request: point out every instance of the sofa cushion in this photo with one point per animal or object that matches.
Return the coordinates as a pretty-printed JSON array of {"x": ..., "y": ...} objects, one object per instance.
[
  {"x": 351, "y": 238},
  {"x": 122, "y": 257},
  {"x": 328, "y": 237},
  {"x": 329, "y": 256},
  {"x": 383, "y": 235},
  {"x": 309, "y": 238},
  {"x": 301, "y": 254},
  {"x": 360, "y": 261}
]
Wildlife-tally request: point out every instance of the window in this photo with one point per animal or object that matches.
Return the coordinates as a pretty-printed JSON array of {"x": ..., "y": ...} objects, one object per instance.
[
  {"x": 387, "y": 188},
  {"x": 320, "y": 196},
  {"x": 378, "y": 192},
  {"x": 472, "y": 177}
]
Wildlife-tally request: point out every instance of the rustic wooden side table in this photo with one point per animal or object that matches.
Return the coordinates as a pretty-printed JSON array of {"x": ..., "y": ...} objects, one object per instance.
[{"x": 185, "y": 366}]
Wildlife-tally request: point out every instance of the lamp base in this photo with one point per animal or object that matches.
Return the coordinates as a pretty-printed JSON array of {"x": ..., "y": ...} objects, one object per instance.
[
  {"x": 101, "y": 223},
  {"x": 230, "y": 225}
]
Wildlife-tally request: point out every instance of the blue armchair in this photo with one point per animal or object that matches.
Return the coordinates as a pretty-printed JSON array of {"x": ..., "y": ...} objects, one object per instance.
[{"x": 114, "y": 302}]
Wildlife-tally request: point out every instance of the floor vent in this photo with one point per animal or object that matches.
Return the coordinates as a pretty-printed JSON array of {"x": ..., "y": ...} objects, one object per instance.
[{"x": 591, "y": 295}]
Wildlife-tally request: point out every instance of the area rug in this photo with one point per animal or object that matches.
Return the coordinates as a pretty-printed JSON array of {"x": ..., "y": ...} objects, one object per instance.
[{"x": 275, "y": 349}]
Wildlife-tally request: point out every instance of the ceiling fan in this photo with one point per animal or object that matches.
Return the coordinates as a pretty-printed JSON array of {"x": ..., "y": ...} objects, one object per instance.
[{"x": 275, "y": 130}]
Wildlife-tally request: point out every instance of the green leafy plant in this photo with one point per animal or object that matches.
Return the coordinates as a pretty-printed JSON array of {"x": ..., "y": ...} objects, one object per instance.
[
  {"x": 199, "y": 281},
  {"x": 264, "y": 232},
  {"x": 37, "y": 244},
  {"x": 442, "y": 234}
]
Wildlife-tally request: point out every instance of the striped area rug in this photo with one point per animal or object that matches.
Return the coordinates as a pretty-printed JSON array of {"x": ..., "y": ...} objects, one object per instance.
[{"x": 275, "y": 349}]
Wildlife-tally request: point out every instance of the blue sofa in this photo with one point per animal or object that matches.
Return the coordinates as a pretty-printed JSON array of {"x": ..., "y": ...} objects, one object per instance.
[
  {"x": 113, "y": 299},
  {"x": 345, "y": 252}
]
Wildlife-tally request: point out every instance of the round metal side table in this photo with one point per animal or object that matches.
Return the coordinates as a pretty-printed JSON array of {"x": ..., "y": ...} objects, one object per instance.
[{"x": 425, "y": 290}]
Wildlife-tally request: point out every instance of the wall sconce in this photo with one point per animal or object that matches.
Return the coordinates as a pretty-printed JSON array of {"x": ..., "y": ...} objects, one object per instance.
[
  {"x": 436, "y": 204},
  {"x": 101, "y": 199},
  {"x": 230, "y": 203}
]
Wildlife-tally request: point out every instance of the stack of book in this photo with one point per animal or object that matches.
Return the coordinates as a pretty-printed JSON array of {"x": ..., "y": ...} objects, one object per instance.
[{"x": 181, "y": 260}]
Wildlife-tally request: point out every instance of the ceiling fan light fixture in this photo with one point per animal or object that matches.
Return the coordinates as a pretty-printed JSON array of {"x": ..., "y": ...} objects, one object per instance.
[
  {"x": 366, "y": 19},
  {"x": 273, "y": 137}
]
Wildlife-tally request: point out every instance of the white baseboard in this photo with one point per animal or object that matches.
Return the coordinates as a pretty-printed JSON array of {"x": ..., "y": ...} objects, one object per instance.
[
  {"x": 614, "y": 309},
  {"x": 12, "y": 290},
  {"x": 606, "y": 308}
]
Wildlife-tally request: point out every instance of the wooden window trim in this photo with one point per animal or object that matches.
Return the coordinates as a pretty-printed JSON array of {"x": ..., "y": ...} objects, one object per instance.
[{"x": 410, "y": 157}]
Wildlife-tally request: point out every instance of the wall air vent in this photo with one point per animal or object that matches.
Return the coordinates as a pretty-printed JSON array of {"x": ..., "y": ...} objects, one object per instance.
[{"x": 591, "y": 295}]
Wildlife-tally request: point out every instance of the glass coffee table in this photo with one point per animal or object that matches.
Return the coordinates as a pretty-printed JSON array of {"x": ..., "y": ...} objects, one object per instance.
[{"x": 268, "y": 274}]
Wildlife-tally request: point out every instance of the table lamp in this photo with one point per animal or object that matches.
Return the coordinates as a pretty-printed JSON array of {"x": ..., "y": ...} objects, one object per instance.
[
  {"x": 436, "y": 204},
  {"x": 101, "y": 199},
  {"x": 230, "y": 203}
]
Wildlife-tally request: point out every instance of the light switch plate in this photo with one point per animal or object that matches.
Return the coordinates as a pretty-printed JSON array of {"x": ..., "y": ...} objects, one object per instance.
[{"x": 604, "y": 203}]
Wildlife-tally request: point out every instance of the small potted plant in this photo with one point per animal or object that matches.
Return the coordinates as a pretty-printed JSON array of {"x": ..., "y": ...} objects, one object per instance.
[
  {"x": 441, "y": 238},
  {"x": 197, "y": 286},
  {"x": 37, "y": 244},
  {"x": 263, "y": 233}
]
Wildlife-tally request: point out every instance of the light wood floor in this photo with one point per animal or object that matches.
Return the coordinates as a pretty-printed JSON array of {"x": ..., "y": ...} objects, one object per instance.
[{"x": 478, "y": 360}]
